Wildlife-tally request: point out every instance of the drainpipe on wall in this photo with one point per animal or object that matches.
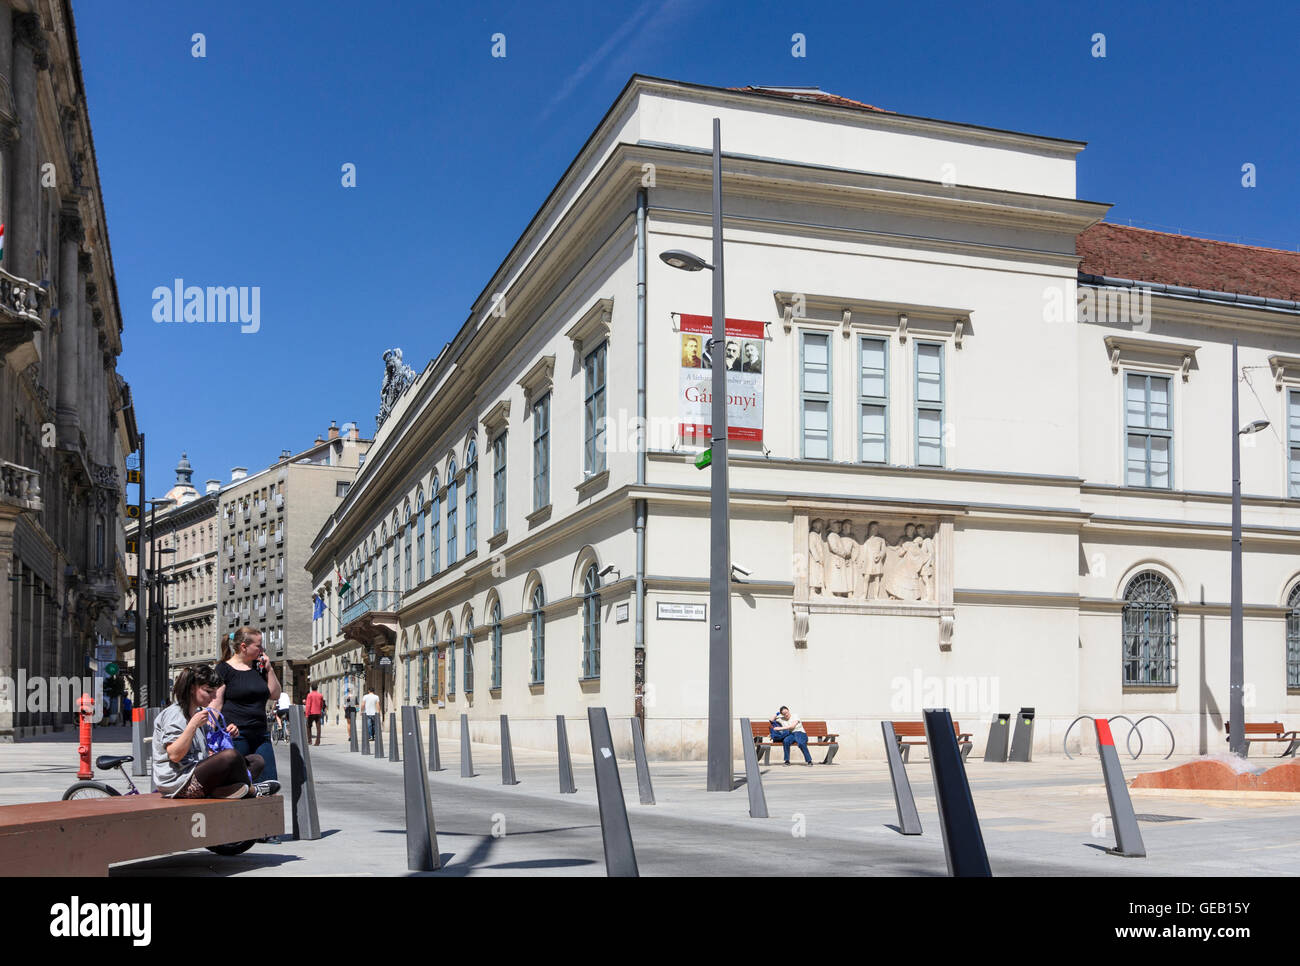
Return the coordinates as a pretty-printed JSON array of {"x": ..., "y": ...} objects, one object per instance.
[{"x": 638, "y": 670}]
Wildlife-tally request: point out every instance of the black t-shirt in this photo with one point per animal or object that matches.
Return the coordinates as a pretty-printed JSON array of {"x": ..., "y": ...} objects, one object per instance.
[{"x": 246, "y": 696}]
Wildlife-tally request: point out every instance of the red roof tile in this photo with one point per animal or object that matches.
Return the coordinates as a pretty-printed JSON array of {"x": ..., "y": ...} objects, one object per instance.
[
  {"x": 1155, "y": 256},
  {"x": 811, "y": 94}
]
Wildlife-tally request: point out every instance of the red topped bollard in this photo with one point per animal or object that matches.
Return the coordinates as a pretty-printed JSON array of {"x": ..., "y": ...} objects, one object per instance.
[{"x": 86, "y": 711}]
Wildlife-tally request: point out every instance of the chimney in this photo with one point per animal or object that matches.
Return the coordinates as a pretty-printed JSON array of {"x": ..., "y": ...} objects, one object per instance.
[
  {"x": 319, "y": 439},
  {"x": 211, "y": 486},
  {"x": 355, "y": 434},
  {"x": 285, "y": 454},
  {"x": 334, "y": 429},
  {"x": 237, "y": 473}
]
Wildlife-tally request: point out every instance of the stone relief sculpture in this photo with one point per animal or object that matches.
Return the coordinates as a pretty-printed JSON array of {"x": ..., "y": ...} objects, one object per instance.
[
  {"x": 864, "y": 562},
  {"x": 397, "y": 379},
  {"x": 816, "y": 557}
]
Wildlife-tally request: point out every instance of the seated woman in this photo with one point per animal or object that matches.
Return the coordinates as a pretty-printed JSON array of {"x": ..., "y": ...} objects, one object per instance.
[{"x": 184, "y": 764}]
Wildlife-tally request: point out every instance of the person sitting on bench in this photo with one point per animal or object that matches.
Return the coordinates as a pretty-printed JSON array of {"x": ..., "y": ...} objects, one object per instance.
[
  {"x": 183, "y": 765},
  {"x": 791, "y": 731}
]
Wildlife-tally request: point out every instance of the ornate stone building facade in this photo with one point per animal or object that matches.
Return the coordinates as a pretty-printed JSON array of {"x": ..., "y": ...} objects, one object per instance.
[{"x": 66, "y": 421}]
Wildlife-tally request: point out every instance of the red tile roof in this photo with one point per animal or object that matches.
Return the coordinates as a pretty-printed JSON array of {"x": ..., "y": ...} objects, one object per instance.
[
  {"x": 811, "y": 94},
  {"x": 1156, "y": 256}
]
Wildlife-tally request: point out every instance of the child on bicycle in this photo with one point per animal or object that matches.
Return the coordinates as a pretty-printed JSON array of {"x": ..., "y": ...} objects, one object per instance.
[{"x": 184, "y": 762}]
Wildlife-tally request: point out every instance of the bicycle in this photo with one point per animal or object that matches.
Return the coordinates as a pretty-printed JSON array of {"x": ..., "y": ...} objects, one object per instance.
[
  {"x": 90, "y": 788},
  {"x": 277, "y": 727}
]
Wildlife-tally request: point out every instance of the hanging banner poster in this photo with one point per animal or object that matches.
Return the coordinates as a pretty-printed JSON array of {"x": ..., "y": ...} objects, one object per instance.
[{"x": 742, "y": 355}]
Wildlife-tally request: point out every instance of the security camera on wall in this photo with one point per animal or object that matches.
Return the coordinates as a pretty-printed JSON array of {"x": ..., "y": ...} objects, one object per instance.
[{"x": 739, "y": 574}]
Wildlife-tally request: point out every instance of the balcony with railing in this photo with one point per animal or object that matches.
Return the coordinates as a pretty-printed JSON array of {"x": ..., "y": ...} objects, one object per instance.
[
  {"x": 261, "y": 507},
  {"x": 279, "y": 535},
  {"x": 21, "y": 319},
  {"x": 261, "y": 541},
  {"x": 261, "y": 577},
  {"x": 247, "y": 580},
  {"x": 248, "y": 513},
  {"x": 246, "y": 548},
  {"x": 19, "y": 486},
  {"x": 279, "y": 501},
  {"x": 373, "y": 617}
]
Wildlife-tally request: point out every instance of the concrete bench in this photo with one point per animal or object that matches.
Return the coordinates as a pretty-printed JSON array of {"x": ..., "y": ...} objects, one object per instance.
[
  {"x": 85, "y": 836},
  {"x": 916, "y": 729},
  {"x": 814, "y": 729}
]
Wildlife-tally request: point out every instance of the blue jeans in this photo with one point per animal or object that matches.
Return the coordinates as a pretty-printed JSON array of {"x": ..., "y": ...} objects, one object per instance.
[
  {"x": 370, "y": 725},
  {"x": 258, "y": 743},
  {"x": 797, "y": 738}
]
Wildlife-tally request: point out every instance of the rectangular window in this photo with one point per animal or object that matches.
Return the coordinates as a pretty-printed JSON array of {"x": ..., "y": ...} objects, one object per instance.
[
  {"x": 341, "y": 489},
  {"x": 594, "y": 411},
  {"x": 1149, "y": 424},
  {"x": 542, "y": 452},
  {"x": 452, "y": 513},
  {"x": 929, "y": 404},
  {"x": 815, "y": 395},
  {"x": 469, "y": 664},
  {"x": 499, "y": 483},
  {"x": 873, "y": 400},
  {"x": 435, "y": 524},
  {"x": 1293, "y": 442}
]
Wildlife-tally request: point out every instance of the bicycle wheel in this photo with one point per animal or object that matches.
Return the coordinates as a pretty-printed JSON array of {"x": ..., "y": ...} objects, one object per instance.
[
  {"x": 90, "y": 789},
  {"x": 232, "y": 848}
]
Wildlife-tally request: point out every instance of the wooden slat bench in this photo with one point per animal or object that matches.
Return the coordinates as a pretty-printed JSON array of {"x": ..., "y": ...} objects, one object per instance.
[
  {"x": 815, "y": 729},
  {"x": 1272, "y": 731},
  {"x": 84, "y": 836},
  {"x": 916, "y": 729}
]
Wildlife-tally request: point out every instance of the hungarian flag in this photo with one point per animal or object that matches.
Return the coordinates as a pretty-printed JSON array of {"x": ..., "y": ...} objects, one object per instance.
[{"x": 344, "y": 586}]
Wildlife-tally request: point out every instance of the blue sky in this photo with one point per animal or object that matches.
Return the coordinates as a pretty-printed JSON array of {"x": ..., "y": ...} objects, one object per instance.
[{"x": 226, "y": 170}]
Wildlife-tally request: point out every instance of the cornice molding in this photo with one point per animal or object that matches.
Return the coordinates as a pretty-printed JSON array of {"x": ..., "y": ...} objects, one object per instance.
[
  {"x": 1128, "y": 351},
  {"x": 593, "y": 326}
]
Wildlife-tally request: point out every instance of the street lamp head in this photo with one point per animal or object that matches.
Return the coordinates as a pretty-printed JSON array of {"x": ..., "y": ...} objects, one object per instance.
[
  {"x": 686, "y": 261},
  {"x": 1254, "y": 427}
]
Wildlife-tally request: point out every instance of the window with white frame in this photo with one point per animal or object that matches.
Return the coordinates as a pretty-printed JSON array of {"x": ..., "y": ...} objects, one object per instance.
[
  {"x": 537, "y": 620},
  {"x": 1293, "y": 443},
  {"x": 815, "y": 395},
  {"x": 594, "y": 410},
  {"x": 435, "y": 524},
  {"x": 873, "y": 399},
  {"x": 929, "y": 404},
  {"x": 542, "y": 452},
  {"x": 1148, "y": 421},
  {"x": 451, "y": 513},
  {"x": 471, "y": 498},
  {"x": 420, "y": 528},
  {"x": 495, "y": 617},
  {"x": 499, "y": 483}
]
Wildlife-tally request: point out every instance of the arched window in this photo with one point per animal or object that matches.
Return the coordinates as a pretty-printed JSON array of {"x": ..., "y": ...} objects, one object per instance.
[
  {"x": 424, "y": 678},
  {"x": 469, "y": 653},
  {"x": 452, "y": 513},
  {"x": 383, "y": 558},
  {"x": 406, "y": 548},
  {"x": 422, "y": 510},
  {"x": 1293, "y": 639},
  {"x": 435, "y": 524},
  {"x": 451, "y": 662},
  {"x": 471, "y": 498},
  {"x": 397, "y": 557},
  {"x": 495, "y": 619},
  {"x": 406, "y": 663},
  {"x": 591, "y": 623},
  {"x": 1150, "y": 623},
  {"x": 538, "y": 620}
]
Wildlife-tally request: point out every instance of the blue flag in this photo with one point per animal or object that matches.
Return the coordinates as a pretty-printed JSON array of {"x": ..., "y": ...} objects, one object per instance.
[{"x": 318, "y": 606}]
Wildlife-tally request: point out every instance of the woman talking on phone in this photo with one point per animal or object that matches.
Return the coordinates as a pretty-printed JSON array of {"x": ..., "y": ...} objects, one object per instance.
[{"x": 250, "y": 683}]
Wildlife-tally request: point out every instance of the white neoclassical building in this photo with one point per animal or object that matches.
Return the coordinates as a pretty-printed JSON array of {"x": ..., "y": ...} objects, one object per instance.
[{"x": 980, "y": 446}]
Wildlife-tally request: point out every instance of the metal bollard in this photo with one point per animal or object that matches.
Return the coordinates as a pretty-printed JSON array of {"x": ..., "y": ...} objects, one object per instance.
[
  {"x": 507, "y": 755},
  {"x": 615, "y": 833},
  {"x": 1022, "y": 741},
  {"x": 1128, "y": 837},
  {"x": 466, "y": 757},
  {"x": 963, "y": 842},
  {"x": 753, "y": 778},
  {"x": 643, "y": 786},
  {"x": 421, "y": 834},
  {"x": 139, "y": 766},
  {"x": 435, "y": 756},
  {"x": 364, "y": 726},
  {"x": 306, "y": 821},
  {"x": 909, "y": 822},
  {"x": 353, "y": 728},
  {"x": 567, "y": 787},
  {"x": 995, "y": 749},
  {"x": 392, "y": 737},
  {"x": 379, "y": 737}
]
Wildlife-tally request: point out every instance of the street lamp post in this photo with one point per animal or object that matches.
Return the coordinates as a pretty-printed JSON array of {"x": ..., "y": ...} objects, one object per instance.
[
  {"x": 153, "y": 674},
  {"x": 720, "y": 778},
  {"x": 1236, "y": 649}
]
